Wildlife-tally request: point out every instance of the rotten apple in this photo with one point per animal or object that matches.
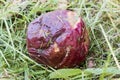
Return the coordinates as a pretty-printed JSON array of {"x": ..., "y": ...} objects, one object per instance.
[{"x": 58, "y": 39}]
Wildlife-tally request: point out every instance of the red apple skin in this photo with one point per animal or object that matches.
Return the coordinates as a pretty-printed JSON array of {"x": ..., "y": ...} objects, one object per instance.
[{"x": 58, "y": 39}]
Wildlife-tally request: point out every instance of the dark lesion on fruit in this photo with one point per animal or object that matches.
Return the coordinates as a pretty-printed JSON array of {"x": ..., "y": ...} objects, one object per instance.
[
  {"x": 40, "y": 58},
  {"x": 43, "y": 43},
  {"x": 58, "y": 33}
]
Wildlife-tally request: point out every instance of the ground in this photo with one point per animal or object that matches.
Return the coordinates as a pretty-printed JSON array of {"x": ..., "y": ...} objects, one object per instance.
[{"x": 102, "y": 19}]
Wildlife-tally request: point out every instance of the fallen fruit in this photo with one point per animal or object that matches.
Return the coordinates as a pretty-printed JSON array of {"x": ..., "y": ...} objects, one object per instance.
[{"x": 58, "y": 39}]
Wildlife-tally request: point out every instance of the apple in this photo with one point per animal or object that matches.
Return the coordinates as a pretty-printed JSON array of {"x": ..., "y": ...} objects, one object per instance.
[{"x": 58, "y": 39}]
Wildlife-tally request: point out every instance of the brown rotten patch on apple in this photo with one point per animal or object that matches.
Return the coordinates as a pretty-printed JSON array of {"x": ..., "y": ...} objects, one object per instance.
[{"x": 58, "y": 39}]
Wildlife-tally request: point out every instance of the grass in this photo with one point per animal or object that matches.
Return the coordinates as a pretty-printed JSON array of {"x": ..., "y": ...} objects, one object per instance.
[{"x": 102, "y": 18}]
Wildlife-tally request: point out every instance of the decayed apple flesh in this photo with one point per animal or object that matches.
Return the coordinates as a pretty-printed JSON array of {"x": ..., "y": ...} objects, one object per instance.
[{"x": 58, "y": 39}]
